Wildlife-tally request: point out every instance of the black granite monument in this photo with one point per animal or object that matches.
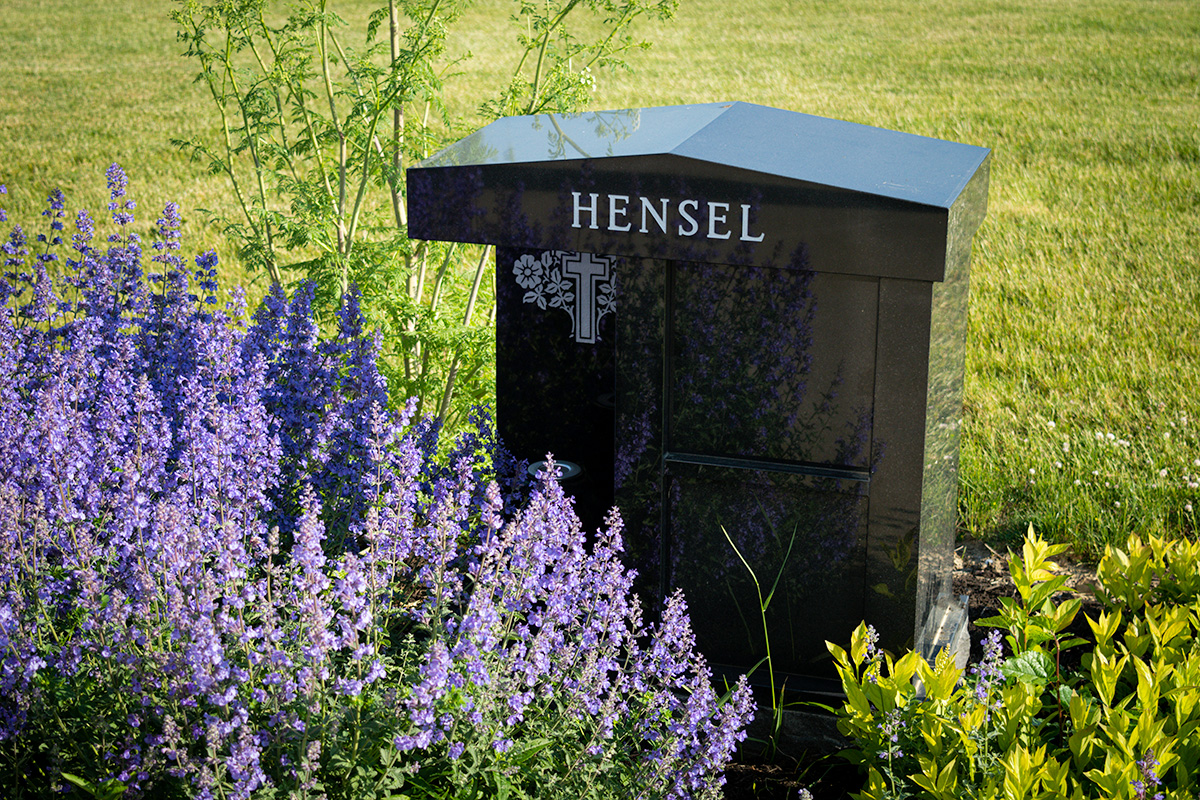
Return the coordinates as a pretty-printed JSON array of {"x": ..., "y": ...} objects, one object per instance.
[{"x": 744, "y": 325}]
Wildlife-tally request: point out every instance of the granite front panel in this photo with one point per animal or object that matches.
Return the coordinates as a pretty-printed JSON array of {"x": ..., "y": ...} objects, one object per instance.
[
  {"x": 744, "y": 402},
  {"x": 772, "y": 364},
  {"x": 554, "y": 393},
  {"x": 802, "y": 535}
]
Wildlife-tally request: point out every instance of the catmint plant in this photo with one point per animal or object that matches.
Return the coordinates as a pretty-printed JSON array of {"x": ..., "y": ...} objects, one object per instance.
[
  {"x": 1147, "y": 780},
  {"x": 987, "y": 672},
  {"x": 231, "y": 566}
]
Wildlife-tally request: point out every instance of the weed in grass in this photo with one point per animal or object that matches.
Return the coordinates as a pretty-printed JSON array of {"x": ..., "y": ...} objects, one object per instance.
[{"x": 1080, "y": 483}]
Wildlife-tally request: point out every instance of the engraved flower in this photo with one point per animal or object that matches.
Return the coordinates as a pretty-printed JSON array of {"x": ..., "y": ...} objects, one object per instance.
[
  {"x": 606, "y": 299},
  {"x": 528, "y": 271},
  {"x": 536, "y": 295},
  {"x": 559, "y": 289}
]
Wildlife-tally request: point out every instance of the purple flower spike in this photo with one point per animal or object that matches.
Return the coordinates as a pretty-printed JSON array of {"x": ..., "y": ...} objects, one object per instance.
[
  {"x": 55, "y": 212},
  {"x": 987, "y": 672},
  {"x": 1147, "y": 777},
  {"x": 14, "y": 249},
  {"x": 117, "y": 184}
]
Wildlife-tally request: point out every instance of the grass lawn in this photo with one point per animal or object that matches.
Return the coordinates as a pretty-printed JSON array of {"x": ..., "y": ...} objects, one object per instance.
[{"x": 1083, "y": 363}]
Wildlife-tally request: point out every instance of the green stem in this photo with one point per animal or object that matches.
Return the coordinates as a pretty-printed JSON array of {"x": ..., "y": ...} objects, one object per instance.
[
  {"x": 438, "y": 281},
  {"x": 762, "y": 607},
  {"x": 362, "y": 187},
  {"x": 449, "y": 392},
  {"x": 219, "y": 98},
  {"x": 280, "y": 119},
  {"x": 624, "y": 22},
  {"x": 327, "y": 80},
  {"x": 297, "y": 94},
  {"x": 537, "y": 72},
  {"x": 377, "y": 114},
  {"x": 398, "y": 209},
  {"x": 474, "y": 287},
  {"x": 252, "y": 145}
]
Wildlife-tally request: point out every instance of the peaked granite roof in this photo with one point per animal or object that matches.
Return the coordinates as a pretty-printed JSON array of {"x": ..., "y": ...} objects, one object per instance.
[{"x": 759, "y": 139}]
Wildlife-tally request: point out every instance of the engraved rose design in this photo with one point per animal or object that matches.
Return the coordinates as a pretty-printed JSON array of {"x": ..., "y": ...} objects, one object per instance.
[
  {"x": 606, "y": 300},
  {"x": 529, "y": 271},
  {"x": 559, "y": 288}
]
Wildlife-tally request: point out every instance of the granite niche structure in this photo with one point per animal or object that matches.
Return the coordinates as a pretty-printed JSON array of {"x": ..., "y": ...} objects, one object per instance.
[{"x": 745, "y": 327}]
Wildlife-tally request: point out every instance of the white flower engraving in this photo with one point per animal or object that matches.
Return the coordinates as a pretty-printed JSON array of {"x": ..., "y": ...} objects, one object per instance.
[
  {"x": 528, "y": 271},
  {"x": 555, "y": 279}
]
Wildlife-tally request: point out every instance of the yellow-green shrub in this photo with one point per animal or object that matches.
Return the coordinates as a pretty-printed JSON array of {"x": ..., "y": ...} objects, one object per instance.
[{"x": 1123, "y": 725}]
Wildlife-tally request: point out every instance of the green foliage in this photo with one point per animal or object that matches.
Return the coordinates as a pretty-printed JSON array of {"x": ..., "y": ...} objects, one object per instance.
[
  {"x": 554, "y": 72},
  {"x": 1125, "y": 725},
  {"x": 317, "y": 127},
  {"x": 110, "y": 789},
  {"x": 1158, "y": 572},
  {"x": 1034, "y": 620}
]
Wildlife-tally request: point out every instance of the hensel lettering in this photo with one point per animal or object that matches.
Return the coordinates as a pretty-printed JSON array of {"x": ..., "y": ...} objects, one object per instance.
[
  {"x": 693, "y": 226},
  {"x": 590, "y": 209},
  {"x": 615, "y": 211}
]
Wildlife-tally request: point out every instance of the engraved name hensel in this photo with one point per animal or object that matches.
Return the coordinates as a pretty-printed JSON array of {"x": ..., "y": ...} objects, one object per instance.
[{"x": 616, "y": 214}]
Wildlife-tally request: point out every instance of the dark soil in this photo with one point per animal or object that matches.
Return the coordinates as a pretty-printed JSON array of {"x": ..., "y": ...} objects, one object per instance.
[
  {"x": 830, "y": 777},
  {"x": 980, "y": 573}
]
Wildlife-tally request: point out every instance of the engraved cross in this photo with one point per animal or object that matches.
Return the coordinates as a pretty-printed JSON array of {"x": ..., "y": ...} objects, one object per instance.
[{"x": 588, "y": 271}]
